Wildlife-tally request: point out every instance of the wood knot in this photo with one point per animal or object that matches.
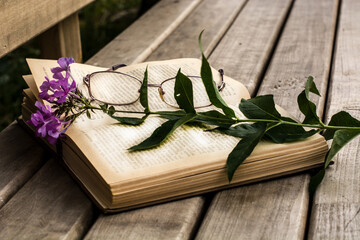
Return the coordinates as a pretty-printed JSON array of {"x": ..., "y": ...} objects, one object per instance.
[{"x": 289, "y": 83}]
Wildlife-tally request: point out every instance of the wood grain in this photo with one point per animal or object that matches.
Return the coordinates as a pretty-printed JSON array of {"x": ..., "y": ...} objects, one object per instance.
[
  {"x": 336, "y": 207},
  {"x": 278, "y": 209},
  {"x": 304, "y": 49},
  {"x": 173, "y": 220},
  {"x": 178, "y": 219},
  {"x": 22, "y": 20},
  {"x": 213, "y": 16},
  {"x": 245, "y": 49},
  {"x": 49, "y": 206},
  {"x": 259, "y": 211},
  {"x": 20, "y": 158},
  {"x": 62, "y": 40},
  {"x": 138, "y": 41}
]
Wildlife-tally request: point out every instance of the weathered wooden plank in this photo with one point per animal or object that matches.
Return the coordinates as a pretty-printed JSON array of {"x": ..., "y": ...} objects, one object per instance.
[
  {"x": 255, "y": 212},
  {"x": 278, "y": 209},
  {"x": 49, "y": 206},
  {"x": 305, "y": 49},
  {"x": 213, "y": 16},
  {"x": 138, "y": 41},
  {"x": 62, "y": 40},
  {"x": 335, "y": 210},
  {"x": 21, "y": 20},
  {"x": 174, "y": 220},
  {"x": 178, "y": 219},
  {"x": 20, "y": 158},
  {"x": 245, "y": 49}
]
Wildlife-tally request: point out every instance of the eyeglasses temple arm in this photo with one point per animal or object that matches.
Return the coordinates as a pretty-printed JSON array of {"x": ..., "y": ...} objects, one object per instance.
[{"x": 113, "y": 68}]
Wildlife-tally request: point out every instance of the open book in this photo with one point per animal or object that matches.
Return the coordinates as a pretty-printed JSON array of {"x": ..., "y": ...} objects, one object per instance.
[{"x": 190, "y": 162}]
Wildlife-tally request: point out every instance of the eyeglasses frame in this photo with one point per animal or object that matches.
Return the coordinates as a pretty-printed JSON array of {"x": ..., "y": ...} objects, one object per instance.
[{"x": 87, "y": 82}]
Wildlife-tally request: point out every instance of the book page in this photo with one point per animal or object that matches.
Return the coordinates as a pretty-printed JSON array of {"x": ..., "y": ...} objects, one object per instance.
[
  {"x": 33, "y": 87},
  {"x": 105, "y": 142}
]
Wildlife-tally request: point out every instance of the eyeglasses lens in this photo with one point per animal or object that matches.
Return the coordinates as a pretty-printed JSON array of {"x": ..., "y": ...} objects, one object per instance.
[{"x": 114, "y": 87}]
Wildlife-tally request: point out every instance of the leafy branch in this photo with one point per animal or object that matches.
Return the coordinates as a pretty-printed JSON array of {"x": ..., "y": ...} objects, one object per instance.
[{"x": 263, "y": 121}]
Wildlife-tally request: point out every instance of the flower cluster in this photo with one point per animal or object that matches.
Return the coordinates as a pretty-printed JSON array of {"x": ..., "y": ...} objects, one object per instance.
[
  {"x": 59, "y": 88},
  {"x": 49, "y": 123}
]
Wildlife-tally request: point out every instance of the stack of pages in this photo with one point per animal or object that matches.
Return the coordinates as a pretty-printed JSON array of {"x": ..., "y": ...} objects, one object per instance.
[{"x": 192, "y": 161}]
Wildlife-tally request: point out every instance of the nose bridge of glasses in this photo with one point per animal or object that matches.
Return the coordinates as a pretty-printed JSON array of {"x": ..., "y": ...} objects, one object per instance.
[
  {"x": 159, "y": 86},
  {"x": 154, "y": 85}
]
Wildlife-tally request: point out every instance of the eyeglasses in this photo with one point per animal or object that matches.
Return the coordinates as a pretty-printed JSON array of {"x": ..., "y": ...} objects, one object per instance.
[{"x": 117, "y": 88}]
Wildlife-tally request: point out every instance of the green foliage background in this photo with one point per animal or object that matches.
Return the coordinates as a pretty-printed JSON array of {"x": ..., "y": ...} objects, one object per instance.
[{"x": 100, "y": 22}]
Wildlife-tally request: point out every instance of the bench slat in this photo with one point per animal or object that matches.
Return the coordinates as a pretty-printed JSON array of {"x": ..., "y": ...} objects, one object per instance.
[
  {"x": 173, "y": 220},
  {"x": 212, "y": 16},
  {"x": 335, "y": 210},
  {"x": 138, "y": 41},
  {"x": 305, "y": 49},
  {"x": 246, "y": 47},
  {"x": 19, "y": 23},
  {"x": 50, "y": 206},
  {"x": 278, "y": 209},
  {"x": 20, "y": 158}
]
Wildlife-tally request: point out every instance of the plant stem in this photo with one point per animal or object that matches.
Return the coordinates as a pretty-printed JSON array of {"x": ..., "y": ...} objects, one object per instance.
[
  {"x": 90, "y": 107},
  {"x": 299, "y": 124},
  {"x": 277, "y": 122}
]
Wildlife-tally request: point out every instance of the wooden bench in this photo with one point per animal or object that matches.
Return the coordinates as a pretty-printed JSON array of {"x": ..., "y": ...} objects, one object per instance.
[
  {"x": 56, "y": 22},
  {"x": 270, "y": 46}
]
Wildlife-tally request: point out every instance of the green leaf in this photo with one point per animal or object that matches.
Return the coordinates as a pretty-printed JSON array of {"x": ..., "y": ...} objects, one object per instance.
[
  {"x": 288, "y": 133},
  {"x": 244, "y": 148},
  {"x": 104, "y": 107},
  {"x": 340, "y": 119},
  {"x": 260, "y": 107},
  {"x": 130, "y": 120},
  {"x": 172, "y": 115},
  {"x": 241, "y": 130},
  {"x": 307, "y": 107},
  {"x": 183, "y": 93},
  {"x": 310, "y": 86},
  {"x": 315, "y": 181},
  {"x": 263, "y": 107},
  {"x": 144, "y": 92},
  {"x": 210, "y": 86},
  {"x": 341, "y": 138},
  {"x": 162, "y": 132},
  {"x": 214, "y": 117},
  {"x": 111, "y": 110}
]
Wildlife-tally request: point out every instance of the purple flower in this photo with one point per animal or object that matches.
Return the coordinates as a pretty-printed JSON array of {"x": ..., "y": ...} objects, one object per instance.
[
  {"x": 57, "y": 91},
  {"x": 46, "y": 123},
  {"x": 64, "y": 90},
  {"x": 47, "y": 86},
  {"x": 64, "y": 64}
]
